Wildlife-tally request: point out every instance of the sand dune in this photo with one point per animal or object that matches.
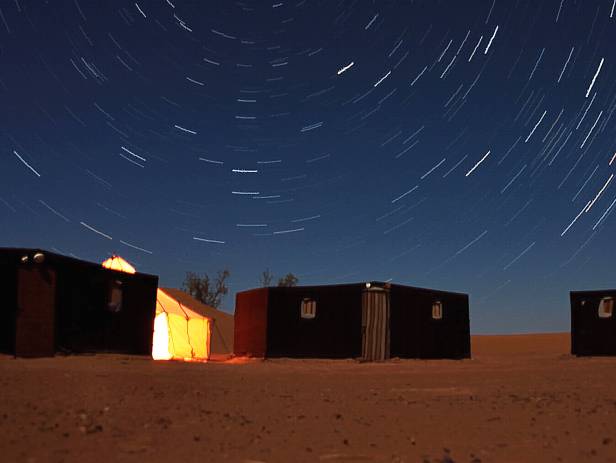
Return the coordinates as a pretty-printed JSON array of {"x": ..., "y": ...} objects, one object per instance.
[{"x": 520, "y": 399}]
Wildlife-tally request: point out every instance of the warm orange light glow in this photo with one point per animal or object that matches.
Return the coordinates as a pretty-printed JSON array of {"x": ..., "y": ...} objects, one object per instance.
[
  {"x": 160, "y": 340},
  {"x": 117, "y": 263},
  {"x": 179, "y": 333},
  {"x": 243, "y": 360}
]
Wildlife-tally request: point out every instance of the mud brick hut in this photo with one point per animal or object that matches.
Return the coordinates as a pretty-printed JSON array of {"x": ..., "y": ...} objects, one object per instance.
[
  {"x": 371, "y": 321},
  {"x": 593, "y": 322},
  {"x": 57, "y": 303}
]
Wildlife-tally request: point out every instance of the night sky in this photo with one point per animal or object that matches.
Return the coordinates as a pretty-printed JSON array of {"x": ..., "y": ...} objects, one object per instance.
[{"x": 459, "y": 145}]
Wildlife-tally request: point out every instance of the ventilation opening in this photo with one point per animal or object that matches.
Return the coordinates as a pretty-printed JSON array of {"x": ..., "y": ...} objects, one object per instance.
[
  {"x": 114, "y": 303},
  {"x": 437, "y": 310},
  {"x": 308, "y": 308},
  {"x": 606, "y": 307}
]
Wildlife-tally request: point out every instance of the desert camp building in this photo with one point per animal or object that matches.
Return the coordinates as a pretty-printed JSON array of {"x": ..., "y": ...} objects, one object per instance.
[
  {"x": 373, "y": 321},
  {"x": 593, "y": 322},
  {"x": 57, "y": 303},
  {"x": 184, "y": 328}
]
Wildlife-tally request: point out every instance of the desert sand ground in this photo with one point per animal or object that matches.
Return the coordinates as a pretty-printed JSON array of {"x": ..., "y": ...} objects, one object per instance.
[{"x": 520, "y": 399}]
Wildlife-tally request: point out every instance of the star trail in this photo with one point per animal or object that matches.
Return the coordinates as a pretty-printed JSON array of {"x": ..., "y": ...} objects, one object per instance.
[{"x": 465, "y": 146}]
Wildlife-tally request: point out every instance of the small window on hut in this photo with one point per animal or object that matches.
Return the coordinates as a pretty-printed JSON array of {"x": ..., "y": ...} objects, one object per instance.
[
  {"x": 309, "y": 308},
  {"x": 437, "y": 310},
  {"x": 606, "y": 307},
  {"x": 114, "y": 301}
]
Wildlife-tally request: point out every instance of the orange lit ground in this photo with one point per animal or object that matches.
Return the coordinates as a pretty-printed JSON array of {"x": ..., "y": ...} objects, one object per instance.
[{"x": 521, "y": 399}]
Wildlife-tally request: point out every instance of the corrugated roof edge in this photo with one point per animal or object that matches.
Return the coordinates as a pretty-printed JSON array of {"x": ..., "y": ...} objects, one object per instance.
[
  {"x": 376, "y": 283},
  {"x": 593, "y": 291},
  {"x": 62, "y": 257}
]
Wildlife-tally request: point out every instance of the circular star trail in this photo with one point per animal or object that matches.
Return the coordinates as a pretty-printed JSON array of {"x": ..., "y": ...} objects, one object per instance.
[{"x": 461, "y": 146}]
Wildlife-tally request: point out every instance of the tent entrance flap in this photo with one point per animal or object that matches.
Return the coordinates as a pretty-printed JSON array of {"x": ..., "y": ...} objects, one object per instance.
[{"x": 160, "y": 340}]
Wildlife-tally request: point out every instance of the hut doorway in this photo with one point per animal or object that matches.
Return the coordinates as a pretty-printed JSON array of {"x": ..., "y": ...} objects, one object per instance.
[
  {"x": 35, "y": 317},
  {"x": 375, "y": 324}
]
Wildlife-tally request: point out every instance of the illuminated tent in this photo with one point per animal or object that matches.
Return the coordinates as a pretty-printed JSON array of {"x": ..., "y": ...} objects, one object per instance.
[
  {"x": 179, "y": 332},
  {"x": 221, "y": 343}
]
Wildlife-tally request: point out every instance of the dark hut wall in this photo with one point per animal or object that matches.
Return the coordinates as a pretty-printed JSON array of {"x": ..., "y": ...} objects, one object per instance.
[
  {"x": 250, "y": 330},
  {"x": 35, "y": 318},
  {"x": 8, "y": 304},
  {"x": 27, "y": 305},
  {"x": 335, "y": 332},
  {"x": 268, "y": 322},
  {"x": 590, "y": 334},
  {"x": 9, "y": 269},
  {"x": 140, "y": 296},
  {"x": 80, "y": 321},
  {"x": 415, "y": 334},
  {"x": 84, "y": 321}
]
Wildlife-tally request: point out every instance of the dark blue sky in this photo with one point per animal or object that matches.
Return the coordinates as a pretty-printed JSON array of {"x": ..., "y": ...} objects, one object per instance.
[{"x": 465, "y": 146}]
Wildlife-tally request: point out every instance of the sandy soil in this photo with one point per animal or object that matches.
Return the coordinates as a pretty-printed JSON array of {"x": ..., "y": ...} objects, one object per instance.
[{"x": 520, "y": 399}]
